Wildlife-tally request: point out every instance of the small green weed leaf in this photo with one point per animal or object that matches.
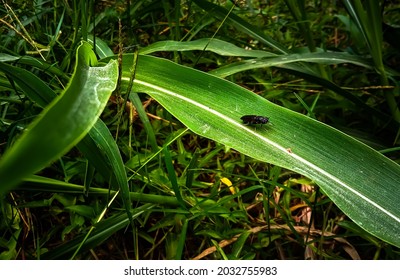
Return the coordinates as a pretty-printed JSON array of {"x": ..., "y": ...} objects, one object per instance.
[
  {"x": 64, "y": 122},
  {"x": 239, "y": 244},
  {"x": 11, "y": 245},
  {"x": 361, "y": 181}
]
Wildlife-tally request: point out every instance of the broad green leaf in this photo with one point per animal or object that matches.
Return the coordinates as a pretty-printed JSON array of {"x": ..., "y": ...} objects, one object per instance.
[
  {"x": 64, "y": 122},
  {"x": 361, "y": 181}
]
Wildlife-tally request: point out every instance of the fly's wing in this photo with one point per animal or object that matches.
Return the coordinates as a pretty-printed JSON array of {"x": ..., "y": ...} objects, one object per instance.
[{"x": 249, "y": 119}]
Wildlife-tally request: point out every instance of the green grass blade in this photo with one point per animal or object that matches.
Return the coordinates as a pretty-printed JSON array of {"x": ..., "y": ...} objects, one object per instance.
[
  {"x": 42, "y": 184},
  {"x": 134, "y": 97},
  {"x": 327, "y": 58},
  {"x": 38, "y": 91},
  {"x": 63, "y": 123},
  {"x": 181, "y": 240},
  {"x": 239, "y": 244},
  {"x": 100, "y": 148},
  {"x": 367, "y": 16},
  {"x": 214, "y": 45},
  {"x": 368, "y": 19},
  {"x": 172, "y": 177},
  {"x": 240, "y": 24},
  {"x": 361, "y": 181},
  {"x": 102, "y": 232}
]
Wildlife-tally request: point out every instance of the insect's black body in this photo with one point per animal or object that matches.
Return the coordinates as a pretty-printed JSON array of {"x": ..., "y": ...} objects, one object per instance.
[{"x": 253, "y": 119}]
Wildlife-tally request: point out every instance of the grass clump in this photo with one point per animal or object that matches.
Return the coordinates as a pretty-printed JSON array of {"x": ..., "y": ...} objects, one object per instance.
[{"x": 191, "y": 197}]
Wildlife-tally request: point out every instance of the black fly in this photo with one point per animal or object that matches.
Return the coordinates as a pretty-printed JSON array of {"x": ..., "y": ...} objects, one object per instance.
[{"x": 253, "y": 119}]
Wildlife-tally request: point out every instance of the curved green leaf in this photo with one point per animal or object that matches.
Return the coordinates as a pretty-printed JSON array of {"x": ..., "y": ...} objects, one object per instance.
[
  {"x": 64, "y": 122},
  {"x": 328, "y": 58},
  {"x": 98, "y": 145},
  {"x": 361, "y": 181},
  {"x": 28, "y": 82},
  {"x": 215, "y": 45},
  {"x": 100, "y": 148}
]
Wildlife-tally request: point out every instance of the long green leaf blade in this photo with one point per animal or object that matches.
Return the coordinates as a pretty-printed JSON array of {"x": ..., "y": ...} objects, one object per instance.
[
  {"x": 361, "y": 181},
  {"x": 28, "y": 82},
  {"x": 100, "y": 148},
  {"x": 214, "y": 45}
]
